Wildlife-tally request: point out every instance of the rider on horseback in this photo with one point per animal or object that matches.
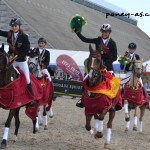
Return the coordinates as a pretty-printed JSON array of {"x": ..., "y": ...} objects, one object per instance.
[
  {"x": 44, "y": 56},
  {"x": 131, "y": 54},
  {"x": 107, "y": 46},
  {"x": 18, "y": 46}
]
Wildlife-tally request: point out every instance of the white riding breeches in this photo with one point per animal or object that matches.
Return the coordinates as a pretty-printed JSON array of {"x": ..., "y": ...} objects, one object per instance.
[
  {"x": 23, "y": 66},
  {"x": 45, "y": 71}
]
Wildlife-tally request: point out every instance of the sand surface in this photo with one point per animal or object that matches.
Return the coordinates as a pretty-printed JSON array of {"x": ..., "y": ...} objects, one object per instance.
[{"x": 66, "y": 131}]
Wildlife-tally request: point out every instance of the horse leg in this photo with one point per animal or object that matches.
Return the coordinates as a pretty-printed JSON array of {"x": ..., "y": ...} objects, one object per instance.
[
  {"x": 127, "y": 125},
  {"x": 44, "y": 118},
  {"x": 34, "y": 129},
  {"x": 39, "y": 117},
  {"x": 109, "y": 128},
  {"x": 126, "y": 111},
  {"x": 50, "y": 112},
  {"x": 17, "y": 123},
  {"x": 135, "y": 119},
  {"x": 142, "y": 112},
  {"x": 127, "y": 116},
  {"x": 96, "y": 123},
  {"x": 88, "y": 123},
  {"x": 37, "y": 120},
  {"x": 99, "y": 133},
  {"x": 6, "y": 130}
]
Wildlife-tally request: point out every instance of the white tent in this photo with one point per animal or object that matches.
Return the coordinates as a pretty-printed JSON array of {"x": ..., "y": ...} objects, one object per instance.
[
  {"x": 78, "y": 56},
  {"x": 148, "y": 65}
]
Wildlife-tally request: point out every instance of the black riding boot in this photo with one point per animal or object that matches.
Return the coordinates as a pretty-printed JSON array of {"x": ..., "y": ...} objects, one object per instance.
[
  {"x": 80, "y": 104},
  {"x": 29, "y": 87}
]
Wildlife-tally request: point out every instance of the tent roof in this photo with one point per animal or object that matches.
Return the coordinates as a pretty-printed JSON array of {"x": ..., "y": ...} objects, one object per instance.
[
  {"x": 78, "y": 56},
  {"x": 148, "y": 65}
]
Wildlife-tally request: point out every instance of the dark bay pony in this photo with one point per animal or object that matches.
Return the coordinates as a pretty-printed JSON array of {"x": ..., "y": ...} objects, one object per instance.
[
  {"x": 7, "y": 75},
  {"x": 97, "y": 104},
  {"x": 35, "y": 69}
]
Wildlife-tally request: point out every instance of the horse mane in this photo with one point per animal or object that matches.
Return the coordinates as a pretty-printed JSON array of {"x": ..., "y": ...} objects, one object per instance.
[{"x": 7, "y": 71}]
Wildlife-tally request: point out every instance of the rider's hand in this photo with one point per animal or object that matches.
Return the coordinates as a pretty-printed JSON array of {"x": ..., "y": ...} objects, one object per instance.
[
  {"x": 10, "y": 58},
  {"x": 102, "y": 52}
]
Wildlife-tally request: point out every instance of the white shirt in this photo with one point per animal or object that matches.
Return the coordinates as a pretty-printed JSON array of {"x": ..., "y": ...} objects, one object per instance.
[
  {"x": 131, "y": 56},
  {"x": 40, "y": 50},
  {"x": 16, "y": 34},
  {"x": 105, "y": 41}
]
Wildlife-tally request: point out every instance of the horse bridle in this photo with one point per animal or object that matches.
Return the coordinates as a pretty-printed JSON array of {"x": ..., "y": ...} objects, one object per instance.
[
  {"x": 34, "y": 66},
  {"x": 97, "y": 74}
]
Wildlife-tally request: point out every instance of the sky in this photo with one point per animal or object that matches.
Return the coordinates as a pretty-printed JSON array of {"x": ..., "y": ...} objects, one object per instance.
[{"x": 134, "y": 6}]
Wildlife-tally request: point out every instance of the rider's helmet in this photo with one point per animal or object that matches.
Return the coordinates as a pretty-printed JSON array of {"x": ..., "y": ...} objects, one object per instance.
[
  {"x": 42, "y": 40},
  {"x": 15, "y": 21},
  {"x": 106, "y": 27},
  {"x": 132, "y": 46}
]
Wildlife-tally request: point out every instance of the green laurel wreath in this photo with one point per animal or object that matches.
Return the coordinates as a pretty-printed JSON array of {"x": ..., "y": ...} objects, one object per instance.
[{"x": 77, "y": 23}]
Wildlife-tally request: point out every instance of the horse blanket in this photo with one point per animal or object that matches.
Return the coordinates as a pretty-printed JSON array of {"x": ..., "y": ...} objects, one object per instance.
[
  {"x": 47, "y": 90},
  {"x": 135, "y": 96},
  {"x": 16, "y": 94},
  {"x": 100, "y": 97}
]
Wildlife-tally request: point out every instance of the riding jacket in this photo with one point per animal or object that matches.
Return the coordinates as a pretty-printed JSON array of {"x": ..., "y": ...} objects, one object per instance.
[
  {"x": 109, "y": 49},
  {"x": 18, "y": 45},
  {"x": 127, "y": 68},
  {"x": 44, "y": 57}
]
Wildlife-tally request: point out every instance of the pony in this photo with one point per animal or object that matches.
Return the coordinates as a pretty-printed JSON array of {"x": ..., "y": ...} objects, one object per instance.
[
  {"x": 8, "y": 75},
  {"x": 134, "y": 96},
  {"x": 35, "y": 69},
  {"x": 97, "y": 103}
]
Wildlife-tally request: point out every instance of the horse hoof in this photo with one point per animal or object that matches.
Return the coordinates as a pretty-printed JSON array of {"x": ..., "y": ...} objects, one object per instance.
[
  {"x": 37, "y": 130},
  {"x": 98, "y": 135},
  {"x": 41, "y": 124},
  {"x": 3, "y": 144},
  {"x": 134, "y": 128},
  {"x": 34, "y": 137},
  {"x": 91, "y": 131},
  {"x": 88, "y": 128},
  {"x": 141, "y": 133},
  {"x": 126, "y": 130},
  {"x": 51, "y": 116},
  {"x": 45, "y": 128},
  {"x": 15, "y": 138},
  {"x": 107, "y": 145}
]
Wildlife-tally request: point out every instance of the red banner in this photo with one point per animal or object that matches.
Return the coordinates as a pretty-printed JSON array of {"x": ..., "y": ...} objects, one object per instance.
[{"x": 67, "y": 64}]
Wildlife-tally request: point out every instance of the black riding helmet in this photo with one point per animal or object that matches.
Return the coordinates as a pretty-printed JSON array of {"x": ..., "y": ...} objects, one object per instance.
[
  {"x": 15, "y": 21},
  {"x": 132, "y": 46},
  {"x": 42, "y": 40}
]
